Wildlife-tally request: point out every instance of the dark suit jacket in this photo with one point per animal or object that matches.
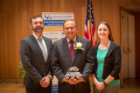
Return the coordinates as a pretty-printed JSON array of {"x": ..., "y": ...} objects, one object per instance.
[
  {"x": 112, "y": 61},
  {"x": 61, "y": 62},
  {"x": 34, "y": 63}
]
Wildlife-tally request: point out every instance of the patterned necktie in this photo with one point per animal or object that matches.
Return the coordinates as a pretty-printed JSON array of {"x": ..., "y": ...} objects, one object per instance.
[
  {"x": 43, "y": 49},
  {"x": 71, "y": 49}
]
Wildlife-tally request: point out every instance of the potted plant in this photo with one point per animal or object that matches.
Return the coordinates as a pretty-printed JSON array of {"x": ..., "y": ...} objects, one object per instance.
[{"x": 21, "y": 70}]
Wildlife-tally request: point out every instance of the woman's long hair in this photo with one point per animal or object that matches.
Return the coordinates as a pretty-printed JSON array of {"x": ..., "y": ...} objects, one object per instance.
[{"x": 110, "y": 34}]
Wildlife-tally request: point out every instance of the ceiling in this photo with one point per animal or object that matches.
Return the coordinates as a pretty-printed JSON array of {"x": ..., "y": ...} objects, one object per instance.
[{"x": 132, "y": 8}]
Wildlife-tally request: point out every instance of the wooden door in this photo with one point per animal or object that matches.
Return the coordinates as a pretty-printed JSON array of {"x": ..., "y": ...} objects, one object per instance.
[{"x": 124, "y": 42}]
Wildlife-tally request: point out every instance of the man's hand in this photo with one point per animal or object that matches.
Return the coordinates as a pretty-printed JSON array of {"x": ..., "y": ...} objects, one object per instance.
[
  {"x": 80, "y": 79},
  {"x": 73, "y": 80},
  {"x": 65, "y": 79},
  {"x": 45, "y": 81}
]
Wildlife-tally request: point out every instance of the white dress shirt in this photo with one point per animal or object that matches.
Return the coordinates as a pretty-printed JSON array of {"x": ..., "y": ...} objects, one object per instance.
[{"x": 36, "y": 37}]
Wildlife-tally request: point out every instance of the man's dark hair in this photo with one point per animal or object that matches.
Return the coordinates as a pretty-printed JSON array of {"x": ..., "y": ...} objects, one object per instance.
[
  {"x": 70, "y": 20},
  {"x": 34, "y": 17}
]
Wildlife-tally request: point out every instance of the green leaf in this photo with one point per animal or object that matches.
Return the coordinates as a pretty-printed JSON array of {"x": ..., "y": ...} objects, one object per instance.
[{"x": 22, "y": 72}]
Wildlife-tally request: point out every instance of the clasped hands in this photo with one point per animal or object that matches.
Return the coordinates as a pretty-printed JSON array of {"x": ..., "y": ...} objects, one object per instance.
[
  {"x": 100, "y": 85},
  {"x": 45, "y": 81},
  {"x": 73, "y": 80}
]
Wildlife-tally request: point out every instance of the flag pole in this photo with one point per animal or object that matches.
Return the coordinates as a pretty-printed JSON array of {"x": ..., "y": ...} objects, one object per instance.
[{"x": 91, "y": 25}]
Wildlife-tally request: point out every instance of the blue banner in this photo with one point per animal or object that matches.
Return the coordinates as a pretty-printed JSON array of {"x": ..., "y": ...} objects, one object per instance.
[
  {"x": 53, "y": 22},
  {"x": 54, "y": 89}
]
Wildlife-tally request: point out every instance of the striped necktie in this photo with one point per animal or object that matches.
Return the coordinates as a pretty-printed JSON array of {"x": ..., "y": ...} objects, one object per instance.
[{"x": 43, "y": 49}]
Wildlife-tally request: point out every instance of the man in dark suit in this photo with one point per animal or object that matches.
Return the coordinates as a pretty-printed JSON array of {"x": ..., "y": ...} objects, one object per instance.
[
  {"x": 64, "y": 56},
  {"x": 35, "y": 52}
]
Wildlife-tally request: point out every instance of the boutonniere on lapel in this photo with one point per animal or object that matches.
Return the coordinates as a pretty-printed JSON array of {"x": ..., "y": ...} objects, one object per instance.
[{"x": 78, "y": 46}]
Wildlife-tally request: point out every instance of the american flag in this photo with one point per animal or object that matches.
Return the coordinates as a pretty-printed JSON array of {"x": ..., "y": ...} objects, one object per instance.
[{"x": 90, "y": 32}]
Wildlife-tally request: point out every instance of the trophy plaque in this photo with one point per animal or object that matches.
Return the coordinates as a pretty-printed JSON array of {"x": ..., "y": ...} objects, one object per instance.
[{"x": 73, "y": 71}]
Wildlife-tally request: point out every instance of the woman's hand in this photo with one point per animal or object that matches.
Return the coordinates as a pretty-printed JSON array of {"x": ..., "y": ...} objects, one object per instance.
[{"x": 99, "y": 85}]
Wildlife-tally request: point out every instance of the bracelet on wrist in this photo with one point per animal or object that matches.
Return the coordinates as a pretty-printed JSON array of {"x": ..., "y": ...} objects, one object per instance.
[{"x": 104, "y": 82}]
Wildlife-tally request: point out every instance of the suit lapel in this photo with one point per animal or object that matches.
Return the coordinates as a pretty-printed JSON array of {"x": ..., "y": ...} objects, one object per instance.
[
  {"x": 37, "y": 46},
  {"x": 66, "y": 49},
  {"x": 75, "y": 55},
  {"x": 110, "y": 49},
  {"x": 96, "y": 48}
]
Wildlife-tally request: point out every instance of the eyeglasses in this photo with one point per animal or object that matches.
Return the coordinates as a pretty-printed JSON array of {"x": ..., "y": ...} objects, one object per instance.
[{"x": 71, "y": 28}]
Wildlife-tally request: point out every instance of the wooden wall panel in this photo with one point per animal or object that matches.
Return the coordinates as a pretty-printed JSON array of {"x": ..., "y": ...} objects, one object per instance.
[
  {"x": 10, "y": 5},
  {"x": 78, "y": 20},
  {"x": 115, "y": 21},
  {"x": 138, "y": 1},
  {"x": 30, "y": 12},
  {"x": 83, "y": 16},
  {"x": 11, "y": 44},
  {"x": 54, "y": 5},
  {"x": 15, "y": 16},
  {"x": 45, "y": 5},
  {"x": 137, "y": 38},
  {"x": 3, "y": 46},
  {"x": 98, "y": 15},
  {"x": 37, "y": 7},
  {"x": 2, "y": 5},
  {"x": 22, "y": 5}
]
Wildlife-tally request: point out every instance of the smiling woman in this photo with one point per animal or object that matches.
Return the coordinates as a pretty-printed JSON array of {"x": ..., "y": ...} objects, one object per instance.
[
  {"x": 104, "y": 31},
  {"x": 107, "y": 58}
]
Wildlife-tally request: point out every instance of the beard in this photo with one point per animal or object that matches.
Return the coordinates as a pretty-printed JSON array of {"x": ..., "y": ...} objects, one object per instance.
[{"x": 38, "y": 29}]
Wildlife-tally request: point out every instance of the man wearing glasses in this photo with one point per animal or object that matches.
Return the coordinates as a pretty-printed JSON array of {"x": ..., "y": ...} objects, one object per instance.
[{"x": 64, "y": 56}]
